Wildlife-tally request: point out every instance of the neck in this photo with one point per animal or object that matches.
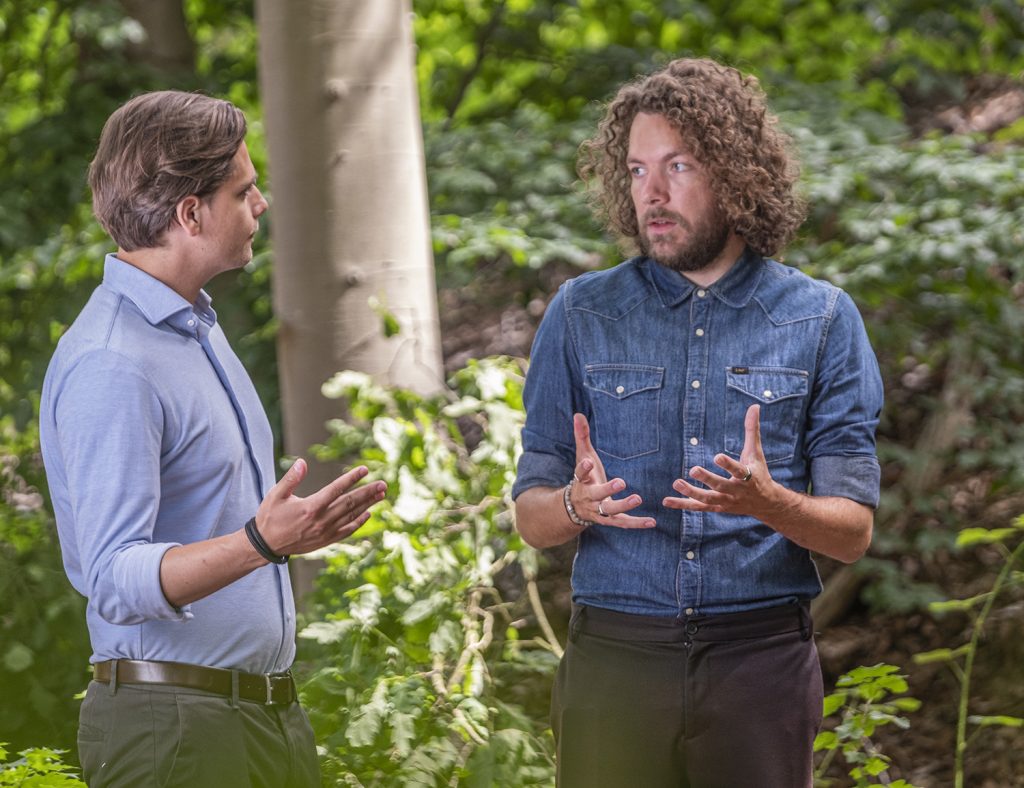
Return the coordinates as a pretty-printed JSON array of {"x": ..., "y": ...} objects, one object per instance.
[{"x": 164, "y": 265}]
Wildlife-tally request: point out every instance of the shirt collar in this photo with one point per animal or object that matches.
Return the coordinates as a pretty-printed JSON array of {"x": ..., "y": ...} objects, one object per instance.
[
  {"x": 735, "y": 288},
  {"x": 157, "y": 302}
]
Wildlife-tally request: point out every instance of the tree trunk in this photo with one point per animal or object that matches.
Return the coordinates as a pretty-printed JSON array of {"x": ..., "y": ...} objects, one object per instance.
[
  {"x": 168, "y": 46},
  {"x": 349, "y": 216}
]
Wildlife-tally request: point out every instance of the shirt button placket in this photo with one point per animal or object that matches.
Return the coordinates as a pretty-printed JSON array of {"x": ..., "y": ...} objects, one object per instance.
[{"x": 694, "y": 421}]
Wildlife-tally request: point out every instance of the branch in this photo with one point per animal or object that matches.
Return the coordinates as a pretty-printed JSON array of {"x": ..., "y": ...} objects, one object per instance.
[
  {"x": 542, "y": 618},
  {"x": 483, "y": 38}
]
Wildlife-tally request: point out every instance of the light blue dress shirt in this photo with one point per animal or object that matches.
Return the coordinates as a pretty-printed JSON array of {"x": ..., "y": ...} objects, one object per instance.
[
  {"x": 664, "y": 371},
  {"x": 153, "y": 436}
]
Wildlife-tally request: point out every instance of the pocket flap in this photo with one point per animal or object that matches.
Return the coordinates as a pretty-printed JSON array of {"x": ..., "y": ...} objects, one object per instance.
[
  {"x": 767, "y": 384},
  {"x": 623, "y": 380}
]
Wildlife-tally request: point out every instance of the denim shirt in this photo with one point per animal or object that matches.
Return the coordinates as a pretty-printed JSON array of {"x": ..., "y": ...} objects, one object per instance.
[{"x": 664, "y": 371}]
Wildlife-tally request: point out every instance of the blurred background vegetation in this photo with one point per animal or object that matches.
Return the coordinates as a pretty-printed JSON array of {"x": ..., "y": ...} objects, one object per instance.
[{"x": 432, "y": 629}]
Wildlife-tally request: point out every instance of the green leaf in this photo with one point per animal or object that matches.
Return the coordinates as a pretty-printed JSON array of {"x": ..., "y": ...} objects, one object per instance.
[
  {"x": 826, "y": 740},
  {"x": 937, "y": 655},
  {"x": 972, "y": 536},
  {"x": 996, "y": 720},
  {"x": 367, "y": 721},
  {"x": 18, "y": 658},
  {"x": 833, "y": 703}
]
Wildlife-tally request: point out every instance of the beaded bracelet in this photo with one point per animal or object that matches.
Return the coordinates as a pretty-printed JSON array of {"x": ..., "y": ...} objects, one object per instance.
[
  {"x": 570, "y": 510},
  {"x": 256, "y": 539}
]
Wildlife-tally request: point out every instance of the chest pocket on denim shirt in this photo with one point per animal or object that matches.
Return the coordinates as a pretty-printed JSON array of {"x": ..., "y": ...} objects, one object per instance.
[
  {"x": 625, "y": 398},
  {"x": 781, "y": 393}
]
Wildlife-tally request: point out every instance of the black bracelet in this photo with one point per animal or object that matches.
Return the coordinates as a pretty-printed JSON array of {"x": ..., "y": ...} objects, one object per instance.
[{"x": 261, "y": 547}]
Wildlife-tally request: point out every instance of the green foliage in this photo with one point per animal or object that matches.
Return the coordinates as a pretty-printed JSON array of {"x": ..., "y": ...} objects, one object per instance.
[
  {"x": 420, "y": 655},
  {"x": 44, "y": 649},
  {"x": 863, "y": 703},
  {"x": 1010, "y": 544},
  {"x": 483, "y": 59},
  {"x": 503, "y": 192},
  {"x": 38, "y": 767},
  {"x": 925, "y": 235}
]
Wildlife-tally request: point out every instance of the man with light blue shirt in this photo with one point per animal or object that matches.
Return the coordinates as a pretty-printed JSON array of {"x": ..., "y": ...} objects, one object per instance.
[
  {"x": 159, "y": 458},
  {"x": 701, "y": 418}
]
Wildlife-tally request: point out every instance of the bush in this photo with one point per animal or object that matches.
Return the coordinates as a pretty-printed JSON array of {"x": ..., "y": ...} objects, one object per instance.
[{"x": 421, "y": 648}]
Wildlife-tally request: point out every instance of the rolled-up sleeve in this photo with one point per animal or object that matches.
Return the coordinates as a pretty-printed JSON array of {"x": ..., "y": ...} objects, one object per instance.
[
  {"x": 844, "y": 411},
  {"x": 110, "y": 427}
]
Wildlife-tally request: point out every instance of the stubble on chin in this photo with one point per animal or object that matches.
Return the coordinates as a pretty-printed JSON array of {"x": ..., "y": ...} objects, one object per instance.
[{"x": 698, "y": 250}]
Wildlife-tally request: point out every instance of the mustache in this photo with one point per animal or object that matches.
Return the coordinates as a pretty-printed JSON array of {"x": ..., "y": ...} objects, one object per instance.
[{"x": 662, "y": 213}]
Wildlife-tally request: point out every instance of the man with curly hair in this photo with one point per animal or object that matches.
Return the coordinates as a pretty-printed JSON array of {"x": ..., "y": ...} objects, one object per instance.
[{"x": 701, "y": 418}]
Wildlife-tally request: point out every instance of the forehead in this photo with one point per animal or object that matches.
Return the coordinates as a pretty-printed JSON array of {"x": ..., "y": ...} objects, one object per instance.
[
  {"x": 241, "y": 165},
  {"x": 653, "y": 135}
]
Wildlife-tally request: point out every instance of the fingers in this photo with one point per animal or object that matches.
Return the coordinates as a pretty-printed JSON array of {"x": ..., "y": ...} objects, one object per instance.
[
  {"x": 327, "y": 494},
  {"x": 293, "y": 525},
  {"x": 696, "y": 498},
  {"x": 581, "y": 432},
  {"x": 584, "y": 450},
  {"x": 583, "y": 469},
  {"x": 588, "y": 465},
  {"x": 290, "y": 481},
  {"x": 601, "y": 508},
  {"x": 353, "y": 504}
]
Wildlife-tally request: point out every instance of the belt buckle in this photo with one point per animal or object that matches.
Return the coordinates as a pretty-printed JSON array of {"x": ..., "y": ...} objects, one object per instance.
[{"x": 270, "y": 689}]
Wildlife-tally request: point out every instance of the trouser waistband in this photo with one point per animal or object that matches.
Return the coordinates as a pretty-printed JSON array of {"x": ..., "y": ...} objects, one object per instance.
[
  {"x": 764, "y": 622},
  {"x": 266, "y": 688}
]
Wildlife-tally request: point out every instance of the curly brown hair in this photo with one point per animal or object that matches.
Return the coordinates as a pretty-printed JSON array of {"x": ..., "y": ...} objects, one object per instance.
[
  {"x": 156, "y": 150},
  {"x": 725, "y": 121}
]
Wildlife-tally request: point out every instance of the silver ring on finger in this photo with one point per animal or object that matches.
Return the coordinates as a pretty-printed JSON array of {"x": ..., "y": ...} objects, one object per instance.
[
  {"x": 747, "y": 475},
  {"x": 600, "y": 508}
]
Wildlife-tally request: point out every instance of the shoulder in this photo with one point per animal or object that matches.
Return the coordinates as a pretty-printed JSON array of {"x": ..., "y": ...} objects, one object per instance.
[
  {"x": 787, "y": 294},
  {"x": 110, "y": 338},
  {"x": 611, "y": 292}
]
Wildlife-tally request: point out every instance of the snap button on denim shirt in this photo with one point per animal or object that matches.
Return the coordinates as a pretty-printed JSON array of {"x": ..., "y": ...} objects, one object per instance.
[{"x": 665, "y": 371}]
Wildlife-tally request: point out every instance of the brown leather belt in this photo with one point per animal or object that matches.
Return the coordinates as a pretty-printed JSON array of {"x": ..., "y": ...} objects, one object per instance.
[{"x": 266, "y": 688}]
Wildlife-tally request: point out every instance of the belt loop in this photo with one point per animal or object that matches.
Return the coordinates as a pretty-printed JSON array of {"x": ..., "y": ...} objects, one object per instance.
[
  {"x": 234, "y": 689},
  {"x": 806, "y": 624},
  {"x": 576, "y": 621},
  {"x": 112, "y": 687}
]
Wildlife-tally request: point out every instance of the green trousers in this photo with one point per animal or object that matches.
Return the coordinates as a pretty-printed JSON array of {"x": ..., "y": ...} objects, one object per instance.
[{"x": 164, "y": 737}]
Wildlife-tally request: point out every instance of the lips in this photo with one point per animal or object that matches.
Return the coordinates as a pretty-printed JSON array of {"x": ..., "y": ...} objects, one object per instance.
[{"x": 662, "y": 222}]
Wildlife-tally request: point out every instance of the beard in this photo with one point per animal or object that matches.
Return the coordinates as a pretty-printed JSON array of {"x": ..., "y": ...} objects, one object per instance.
[{"x": 703, "y": 244}]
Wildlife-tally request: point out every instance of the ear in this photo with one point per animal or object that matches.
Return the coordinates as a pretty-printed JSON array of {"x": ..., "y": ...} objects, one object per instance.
[{"x": 186, "y": 213}]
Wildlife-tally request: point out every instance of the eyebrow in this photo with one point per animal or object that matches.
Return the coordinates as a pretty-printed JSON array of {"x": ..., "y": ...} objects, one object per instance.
[{"x": 667, "y": 157}]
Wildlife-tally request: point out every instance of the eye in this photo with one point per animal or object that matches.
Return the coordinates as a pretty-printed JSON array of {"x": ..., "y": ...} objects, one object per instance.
[
  {"x": 637, "y": 171},
  {"x": 679, "y": 166}
]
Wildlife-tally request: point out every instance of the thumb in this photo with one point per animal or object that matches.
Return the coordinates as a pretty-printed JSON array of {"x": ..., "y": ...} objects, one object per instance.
[
  {"x": 752, "y": 434},
  {"x": 291, "y": 480},
  {"x": 581, "y": 432}
]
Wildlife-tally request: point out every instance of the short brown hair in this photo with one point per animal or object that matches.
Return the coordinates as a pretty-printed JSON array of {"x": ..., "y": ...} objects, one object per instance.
[
  {"x": 154, "y": 151},
  {"x": 725, "y": 123}
]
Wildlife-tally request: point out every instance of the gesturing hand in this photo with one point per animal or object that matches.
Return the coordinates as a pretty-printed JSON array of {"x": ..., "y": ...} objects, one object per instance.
[
  {"x": 291, "y": 525},
  {"x": 592, "y": 493},
  {"x": 744, "y": 491}
]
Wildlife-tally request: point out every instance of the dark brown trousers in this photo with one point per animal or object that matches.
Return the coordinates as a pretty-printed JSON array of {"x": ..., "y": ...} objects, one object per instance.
[{"x": 730, "y": 701}]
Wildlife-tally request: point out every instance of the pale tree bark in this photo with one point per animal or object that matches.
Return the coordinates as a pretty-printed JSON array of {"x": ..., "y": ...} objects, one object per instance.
[
  {"x": 168, "y": 45},
  {"x": 349, "y": 217}
]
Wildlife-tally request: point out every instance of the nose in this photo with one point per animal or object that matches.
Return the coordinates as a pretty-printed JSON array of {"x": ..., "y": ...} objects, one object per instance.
[
  {"x": 655, "y": 191},
  {"x": 260, "y": 205}
]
